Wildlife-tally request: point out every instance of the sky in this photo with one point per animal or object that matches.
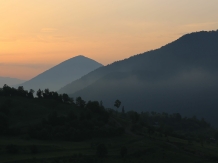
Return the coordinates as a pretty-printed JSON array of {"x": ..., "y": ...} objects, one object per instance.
[{"x": 35, "y": 35}]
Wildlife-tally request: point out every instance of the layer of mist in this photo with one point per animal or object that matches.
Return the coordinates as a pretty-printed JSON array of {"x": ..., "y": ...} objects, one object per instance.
[{"x": 179, "y": 77}]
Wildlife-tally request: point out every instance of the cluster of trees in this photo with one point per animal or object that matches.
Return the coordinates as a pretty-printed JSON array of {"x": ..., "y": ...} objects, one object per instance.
[
  {"x": 89, "y": 123},
  {"x": 20, "y": 91},
  {"x": 175, "y": 121},
  {"x": 10, "y": 91},
  {"x": 42, "y": 94},
  {"x": 83, "y": 120},
  {"x": 169, "y": 124},
  {"x": 92, "y": 119}
]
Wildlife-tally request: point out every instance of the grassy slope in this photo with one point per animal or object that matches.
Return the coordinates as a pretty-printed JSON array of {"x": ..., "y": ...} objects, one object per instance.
[{"x": 155, "y": 149}]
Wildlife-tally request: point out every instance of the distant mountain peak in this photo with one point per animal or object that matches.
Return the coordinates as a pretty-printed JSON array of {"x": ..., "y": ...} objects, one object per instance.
[
  {"x": 77, "y": 57},
  {"x": 81, "y": 56},
  {"x": 62, "y": 73}
]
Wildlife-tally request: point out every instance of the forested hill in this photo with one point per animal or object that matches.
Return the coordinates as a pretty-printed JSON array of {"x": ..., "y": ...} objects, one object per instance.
[
  {"x": 53, "y": 127},
  {"x": 178, "y": 77},
  {"x": 194, "y": 50},
  {"x": 57, "y": 116}
]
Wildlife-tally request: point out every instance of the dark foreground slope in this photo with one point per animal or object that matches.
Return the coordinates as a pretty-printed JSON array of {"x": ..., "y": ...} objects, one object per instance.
[
  {"x": 179, "y": 77},
  {"x": 48, "y": 129},
  {"x": 62, "y": 74}
]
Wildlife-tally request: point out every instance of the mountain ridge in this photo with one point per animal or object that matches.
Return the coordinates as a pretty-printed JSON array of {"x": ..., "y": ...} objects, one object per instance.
[
  {"x": 136, "y": 57},
  {"x": 178, "y": 77}
]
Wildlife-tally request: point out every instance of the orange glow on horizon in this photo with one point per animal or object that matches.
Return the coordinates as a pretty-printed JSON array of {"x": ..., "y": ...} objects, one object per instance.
[{"x": 36, "y": 35}]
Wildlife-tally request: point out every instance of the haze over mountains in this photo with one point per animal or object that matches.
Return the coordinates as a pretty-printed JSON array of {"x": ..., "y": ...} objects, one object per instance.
[
  {"x": 62, "y": 74},
  {"x": 10, "y": 81},
  {"x": 179, "y": 77}
]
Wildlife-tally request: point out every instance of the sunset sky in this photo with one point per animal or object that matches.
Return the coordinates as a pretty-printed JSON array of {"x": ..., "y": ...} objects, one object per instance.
[{"x": 38, "y": 34}]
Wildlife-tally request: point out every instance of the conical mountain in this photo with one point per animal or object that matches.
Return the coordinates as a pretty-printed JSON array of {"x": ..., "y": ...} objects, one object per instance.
[
  {"x": 179, "y": 77},
  {"x": 62, "y": 74}
]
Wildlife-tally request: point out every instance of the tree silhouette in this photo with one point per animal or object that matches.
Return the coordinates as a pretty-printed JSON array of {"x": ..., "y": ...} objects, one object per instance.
[
  {"x": 80, "y": 102},
  {"x": 66, "y": 97},
  {"x": 20, "y": 89},
  {"x": 39, "y": 93},
  {"x": 46, "y": 93},
  {"x": 117, "y": 103},
  {"x": 55, "y": 95},
  {"x": 30, "y": 94},
  {"x": 6, "y": 90}
]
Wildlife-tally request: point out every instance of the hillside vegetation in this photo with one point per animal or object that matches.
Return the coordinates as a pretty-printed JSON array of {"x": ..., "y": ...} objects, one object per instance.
[{"x": 56, "y": 128}]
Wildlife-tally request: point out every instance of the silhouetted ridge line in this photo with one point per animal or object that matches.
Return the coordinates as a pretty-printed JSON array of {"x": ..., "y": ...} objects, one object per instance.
[{"x": 181, "y": 76}]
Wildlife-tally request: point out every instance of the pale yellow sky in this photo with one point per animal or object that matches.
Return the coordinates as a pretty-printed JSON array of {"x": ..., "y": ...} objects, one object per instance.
[{"x": 37, "y": 34}]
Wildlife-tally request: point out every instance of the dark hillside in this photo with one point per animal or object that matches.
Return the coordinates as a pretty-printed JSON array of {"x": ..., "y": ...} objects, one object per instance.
[
  {"x": 56, "y": 128},
  {"x": 178, "y": 77},
  {"x": 52, "y": 116},
  {"x": 195, "y": 50}
]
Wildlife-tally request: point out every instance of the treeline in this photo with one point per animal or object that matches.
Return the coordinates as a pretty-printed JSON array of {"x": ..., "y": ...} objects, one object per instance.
[
  {"x": 86, "y": 120},
  {"x": 92, "y": 122},
  {"x": 20, "y": 91},
  {"x": 70, "y": 120},
  {"x": 165, "y": 124}
]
